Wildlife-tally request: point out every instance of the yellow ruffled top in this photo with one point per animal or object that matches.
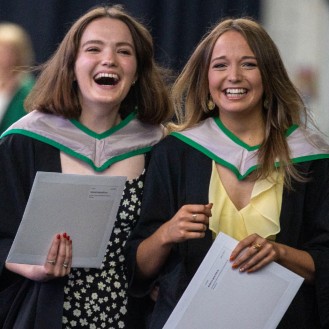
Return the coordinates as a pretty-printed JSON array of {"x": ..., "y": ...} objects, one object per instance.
[{"x": 260, "y": 216}]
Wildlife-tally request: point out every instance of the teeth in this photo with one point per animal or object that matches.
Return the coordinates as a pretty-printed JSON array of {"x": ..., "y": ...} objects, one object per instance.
[
  {"x": 107, "y": 75},
  {"x": 236, "y": 91}
]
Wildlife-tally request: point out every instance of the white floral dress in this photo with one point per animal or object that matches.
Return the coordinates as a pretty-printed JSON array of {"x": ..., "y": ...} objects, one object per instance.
[{"x": 96, "y": 298}]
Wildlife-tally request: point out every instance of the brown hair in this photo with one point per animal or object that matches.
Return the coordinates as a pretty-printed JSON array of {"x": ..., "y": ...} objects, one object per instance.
[
  {"x": 56, "y": 91},
  {"x": 284, "y": 105}
]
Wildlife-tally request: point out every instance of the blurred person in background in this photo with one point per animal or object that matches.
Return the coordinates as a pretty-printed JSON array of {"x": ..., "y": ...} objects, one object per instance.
[{"x": 16, "y": 55}]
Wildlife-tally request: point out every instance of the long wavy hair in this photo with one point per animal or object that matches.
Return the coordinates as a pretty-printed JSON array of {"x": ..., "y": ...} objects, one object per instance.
[
  {"x": 56, "y": 90},
  {"x": 284, "y": 105}
]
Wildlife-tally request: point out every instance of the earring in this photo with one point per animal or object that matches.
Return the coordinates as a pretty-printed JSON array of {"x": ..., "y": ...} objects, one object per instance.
[
  {"x": 210, "y": 104},
  {"x": 266, "y": 103}
]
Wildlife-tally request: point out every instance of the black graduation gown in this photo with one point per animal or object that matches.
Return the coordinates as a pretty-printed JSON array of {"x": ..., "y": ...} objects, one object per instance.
[
  {"x": 24, "y": 303},
  {"x": 179, "y": 174},
  {"x": 27, "y": 304}
]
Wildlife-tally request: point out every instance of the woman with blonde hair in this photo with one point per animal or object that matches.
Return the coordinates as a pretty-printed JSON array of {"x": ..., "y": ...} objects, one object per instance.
[
  {"x": 243, "y": 161},
  {"x": 16, "y": 58}
]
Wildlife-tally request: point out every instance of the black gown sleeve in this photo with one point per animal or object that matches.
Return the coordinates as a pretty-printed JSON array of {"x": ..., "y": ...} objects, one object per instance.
[
  {"x": 317, "y": 231},
  {"x": 304, "y": 224},
  {"x": 23, "y": 303},
  {"x": 158, "y": 206},
  {"x": 177, "y": 175}
]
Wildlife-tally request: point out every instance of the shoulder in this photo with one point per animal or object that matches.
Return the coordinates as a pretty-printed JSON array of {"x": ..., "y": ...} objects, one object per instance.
[
  {"x": 14, "y": 141},
  {"x": 316, "y": 179},
  {"x": 316, "y": 167},
  {"x": 21, "y": 146},
  {"x": 173, "y": 145},
  {"x": 319, "y": 170},
  {"x": 173, "y": 152}
]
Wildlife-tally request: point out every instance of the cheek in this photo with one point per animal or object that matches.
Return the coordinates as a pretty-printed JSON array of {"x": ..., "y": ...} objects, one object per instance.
[
  {"x": 131, "y": 69},
  {"x": 211, "y": 83},
  {"x": 260, "y": 88},
  {"x": 214, "y": 80},
  {"x": 214, "y": 88},
  {"x": 81, "y": 72}
]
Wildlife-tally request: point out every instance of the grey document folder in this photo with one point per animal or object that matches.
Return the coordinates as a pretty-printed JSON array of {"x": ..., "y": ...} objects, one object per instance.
[{"x": 83, "y": 206}]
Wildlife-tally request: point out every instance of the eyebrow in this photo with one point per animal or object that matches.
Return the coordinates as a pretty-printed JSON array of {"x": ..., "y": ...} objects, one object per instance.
[
  {"x": 243, "y": 58},
  {"x": 99, "y": 42}
]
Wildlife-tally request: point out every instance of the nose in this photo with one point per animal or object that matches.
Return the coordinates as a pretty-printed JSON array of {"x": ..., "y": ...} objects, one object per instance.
[
  {"x": 234, "y": 73},
  {"x": 109, "y": 59}
]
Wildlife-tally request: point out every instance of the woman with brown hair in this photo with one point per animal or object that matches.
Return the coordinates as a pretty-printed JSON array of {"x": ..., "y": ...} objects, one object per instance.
[
  {"x": 243, "y": 161},
  {"x": 96, "y": 109}
]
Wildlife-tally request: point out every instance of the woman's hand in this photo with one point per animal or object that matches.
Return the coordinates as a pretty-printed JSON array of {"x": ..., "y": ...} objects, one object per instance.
[
  {"x": 253, "y": 253},
  {"x": 190, "y": 222},
  {"x": 57, "y": 264}
]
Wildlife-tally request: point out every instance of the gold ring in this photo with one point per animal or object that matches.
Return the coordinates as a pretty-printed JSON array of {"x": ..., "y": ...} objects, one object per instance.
[
  {"x": 52, "y": 262},
  {"x": 257, "y": 246},
  {"x": 194, "y": 217},
  {"x": 65, "y": 265}
]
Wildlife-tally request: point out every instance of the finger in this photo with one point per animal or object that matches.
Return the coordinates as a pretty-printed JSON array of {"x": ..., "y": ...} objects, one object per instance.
[
  {"x": 68, "y": 259},
  {"x": 200, "y": 228},
  {"x": 257, "y": 259},
  {"x": 252, "y": 253},
  {"x": 248, "y": 260},
  {"x": 61, "y": 257},
  {"x": 208, "y": 208},
  {"x": 197, "y": 209},
  {"x": 244, "y": 244},
  {"x": 191, "y": 226},
  {"x": 195, "y": 235},
  {"x": 198, "y": 218},
  {"x": 53, "y": 251},
  {"x": 258, "y": 265}
]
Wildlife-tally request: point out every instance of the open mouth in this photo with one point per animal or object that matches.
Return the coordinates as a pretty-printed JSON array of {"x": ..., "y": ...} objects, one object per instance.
[
  {"x": 106, "y": 79},
  {"x": 235, "y": 91}
]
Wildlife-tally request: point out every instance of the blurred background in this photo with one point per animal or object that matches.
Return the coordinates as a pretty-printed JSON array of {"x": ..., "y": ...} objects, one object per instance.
[{"x": 300, "y": 29}]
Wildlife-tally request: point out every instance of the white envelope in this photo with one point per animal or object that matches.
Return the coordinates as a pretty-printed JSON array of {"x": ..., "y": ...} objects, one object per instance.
[{"x": 219, "y": 297}]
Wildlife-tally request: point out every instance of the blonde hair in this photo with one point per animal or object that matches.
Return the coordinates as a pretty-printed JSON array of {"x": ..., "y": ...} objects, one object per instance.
[
  {"x": 284, "y": 105},
  {"x": 16, "y": 36}
]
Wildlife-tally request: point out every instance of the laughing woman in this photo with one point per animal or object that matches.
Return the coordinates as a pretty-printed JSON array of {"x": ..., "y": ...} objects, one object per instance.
[
  {"x": 243, "y": 162},
  {"x": 96, "y": 108}
]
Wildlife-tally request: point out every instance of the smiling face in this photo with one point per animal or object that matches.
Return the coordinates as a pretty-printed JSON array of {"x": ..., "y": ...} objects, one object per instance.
[
  {"x": 106, "y": 64},
  {"x": 235, "y": 81}
]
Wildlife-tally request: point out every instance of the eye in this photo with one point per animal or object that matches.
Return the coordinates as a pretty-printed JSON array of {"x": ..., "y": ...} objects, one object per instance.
[
  {"x": 249, "y": 65},
  {"x": 124, "y": 51},
  {"x": 92, "y": 49},
  {"x": 219, "y": 66}
]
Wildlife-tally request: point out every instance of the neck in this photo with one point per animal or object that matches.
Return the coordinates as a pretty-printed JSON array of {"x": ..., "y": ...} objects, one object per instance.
[
  {"x": 250, "y": 130},
  {"x": 99, "y": 122}
]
